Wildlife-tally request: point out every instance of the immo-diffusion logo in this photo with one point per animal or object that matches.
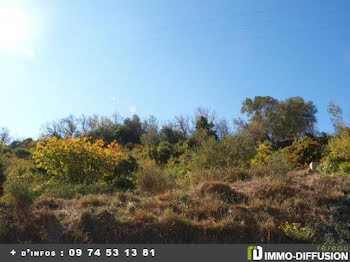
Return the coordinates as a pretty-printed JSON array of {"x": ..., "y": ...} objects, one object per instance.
[{"x": 254, "y": 253}]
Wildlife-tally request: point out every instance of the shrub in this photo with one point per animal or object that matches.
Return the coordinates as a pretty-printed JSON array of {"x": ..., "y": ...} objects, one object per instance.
[
  {"x": 344, "y": 167},
  {"x": 164, "y": 152},
  {"x": 263, "y": 155},
  {"x": 297, "y": 233},
  {"x": 124, "y": 184},
  {"x": 90, "y": 200},
  {"x": 229, "y": 174},
  {"x": 19, "y": 168},
  {"x": 20, "y": 197},
  {"x": 303, "y": 153},
  {"x": 161, "y": 153},
  {"x": 126, "y": 166},
  {"x": 278, "y": 165},
  {"x": 2, "y": 176},
  {"x": 124, "y": 169},
  {"x": 62, "y": 189},
  {"x": 231, "y": 151},
  {"x": 22, "y": 153},
  {"x": 338, "y": 158},
  {"x": 153, "y": 179},
  {"x": 219, "y": 189},
  {"x": 77, "y": 159}
]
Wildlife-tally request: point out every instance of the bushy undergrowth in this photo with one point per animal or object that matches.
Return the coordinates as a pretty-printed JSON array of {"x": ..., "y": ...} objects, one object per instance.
[
  {"x": 303, "y": 152},
  {"x": 77, "y": 159},
  {"x": 19, "y": 196},
  {"x": 2, "y": 176},
  {"x": 201, "y": 190},
  {"x": 154, "y": 179},
  {"x": 338, "y": 159},
  {"x": 263, "y": 209}
]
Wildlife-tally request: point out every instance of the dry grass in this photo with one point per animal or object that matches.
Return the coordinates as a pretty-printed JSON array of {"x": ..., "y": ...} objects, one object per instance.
[
  {"x": 48, "y": 203},
  {"x": 219, "y": 189},
  {"x": 213, "y": 212},
  {"x": 90, "y": 201}
]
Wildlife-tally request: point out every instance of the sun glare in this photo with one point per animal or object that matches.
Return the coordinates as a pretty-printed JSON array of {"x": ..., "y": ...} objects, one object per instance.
[{"x": 13, "y": 28}]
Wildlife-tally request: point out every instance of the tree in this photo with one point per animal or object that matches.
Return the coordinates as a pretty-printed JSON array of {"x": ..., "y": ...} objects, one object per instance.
[
  {"x": 151, "y": 121},
  {"x": 336, "y": 114},
  {"x": 280, "y": 120},
  {"x": 62, "y": 128},
  {"x": 25, "y": 143},
  {"x": 206, "y": 112},
  {"x": 167, "y": 133},
  {"x": 131, "y": 131},
  {"x": 222, "y": 129},
  {"x": 255, "y": 130},
  {"x": 202, "y": 124},
  {"x": 151, "y": 137},
  {"x": 102, "y": 128},
  {"x": 5, "y": 135},
  {"x": 161, "y": 153},
  {"x": 83, "y": 121},
  {"x": 182, "y": 123},
  {"x": 297, "y": 117},
  {"x": 164, "y": 152}
]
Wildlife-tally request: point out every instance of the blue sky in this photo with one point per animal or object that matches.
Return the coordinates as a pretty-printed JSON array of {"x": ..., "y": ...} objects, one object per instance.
[{"x": 168, "y": 57}]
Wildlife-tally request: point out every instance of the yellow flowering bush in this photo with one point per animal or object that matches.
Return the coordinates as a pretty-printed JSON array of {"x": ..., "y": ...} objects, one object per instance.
[
  {"x": 296, "y": 232},
  {"x": 262, "y": 157},
  {"x": 77, "y": 159},
  {"x": 338, "y": 160}
]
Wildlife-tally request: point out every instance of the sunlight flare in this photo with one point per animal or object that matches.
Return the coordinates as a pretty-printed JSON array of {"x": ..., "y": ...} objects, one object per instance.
[{"x": 13, "y": 28}]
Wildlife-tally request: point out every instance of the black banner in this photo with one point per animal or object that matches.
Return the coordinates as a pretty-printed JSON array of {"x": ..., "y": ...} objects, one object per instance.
[{"x": 172, "y": 253}]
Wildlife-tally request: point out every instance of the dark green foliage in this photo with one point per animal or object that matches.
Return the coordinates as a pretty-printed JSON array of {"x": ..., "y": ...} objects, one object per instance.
[
  {"x": 161, "y": 153},
  {"x": 130, "y": 132},
  {"x": 150, "y": 151},
  {"x": 197, "y": 139},
  {"x": 22, "y": 153},
  {"x": 202, "y": 124},
  {"x": 26, "y": 143},
  {"x": 323, "y": 138},
  {"x": 19, "y": 197},
  {"x": 124, "y": 184},
  {"x": 105, "y": 129},
  {"x": 168, "y": 134},
  {"x": 164, "y": 152},
  {"x": 126, "y": 166}
]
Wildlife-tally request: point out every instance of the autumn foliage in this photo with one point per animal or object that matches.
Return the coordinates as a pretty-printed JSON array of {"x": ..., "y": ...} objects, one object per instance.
[
  {"x": 338, "y": 159},
  {"x": 77, "y": 159},
  {"x": 302, "y": 153}
]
